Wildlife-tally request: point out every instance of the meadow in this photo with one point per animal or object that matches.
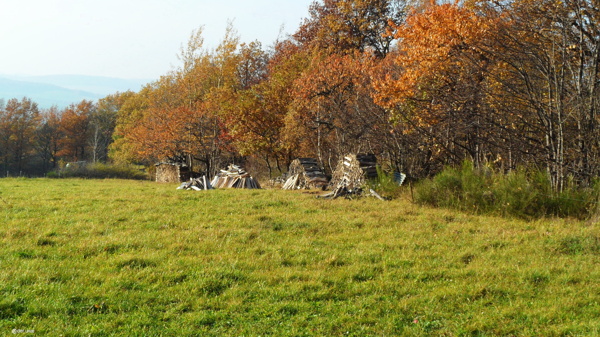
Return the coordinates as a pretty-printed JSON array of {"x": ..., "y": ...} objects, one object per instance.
[{"x": 136, "y": 258}]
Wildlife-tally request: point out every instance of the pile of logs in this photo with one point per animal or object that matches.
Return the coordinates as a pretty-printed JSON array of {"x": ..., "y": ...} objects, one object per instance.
[
  {"x": 305, "y": 173},
  {"x": 351, "y": 176},
  {"x": 196, "y": 184},
  {"x": 353, "y": 171},
  {"x": 234, "y": 177}
]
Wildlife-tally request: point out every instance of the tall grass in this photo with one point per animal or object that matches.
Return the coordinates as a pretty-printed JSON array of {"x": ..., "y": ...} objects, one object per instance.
[
  {"x": 522, "y": 193},
  {"x": 84, "y": 257}
]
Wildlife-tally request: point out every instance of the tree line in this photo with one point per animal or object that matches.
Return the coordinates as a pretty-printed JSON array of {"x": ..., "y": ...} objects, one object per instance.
[
  {"x": 34, "y": 141},
  {"x": 421, "y": 84}
]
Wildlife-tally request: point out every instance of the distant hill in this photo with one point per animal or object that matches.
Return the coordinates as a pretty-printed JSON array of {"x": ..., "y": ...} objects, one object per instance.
[
  {"x": 45, "y": 95},
  {"x": 62, "y": 90}
]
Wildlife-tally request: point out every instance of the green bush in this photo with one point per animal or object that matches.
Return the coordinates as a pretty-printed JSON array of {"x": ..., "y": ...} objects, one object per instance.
[
  {"x": 521, "y": 193},
  {"x": 100, "y": 171},
  {"x": 460, "y": 188}
]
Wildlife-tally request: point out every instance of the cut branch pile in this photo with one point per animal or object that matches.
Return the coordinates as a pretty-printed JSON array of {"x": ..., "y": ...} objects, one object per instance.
[
  {"x": 305, "y": 173},
  {"x": 234, "y": 177},
  {"x": 196, "y": 184},
  {"x": 351, "y": 176}
]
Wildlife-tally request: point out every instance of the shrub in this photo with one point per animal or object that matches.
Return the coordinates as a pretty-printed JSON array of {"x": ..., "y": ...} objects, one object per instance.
[
  {"x": 385, "y": 184},
  {"x": 522, "y": 193},
  {"x": 101, "y": 171},
  {"x": 518, "y": 193},
  {"x": 461, "y": 188}
]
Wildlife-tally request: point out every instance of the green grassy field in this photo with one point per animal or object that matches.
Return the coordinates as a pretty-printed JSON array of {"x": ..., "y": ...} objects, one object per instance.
[{"x": 136, "y": 258}]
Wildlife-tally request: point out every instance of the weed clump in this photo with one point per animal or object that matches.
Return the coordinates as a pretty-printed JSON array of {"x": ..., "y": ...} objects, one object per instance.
[
  {"x": 45, "y": 242},
  {"x": 576, "y": 245},
  {"x": 136, "y": 263},
  {"x": 11, "y": 309}
]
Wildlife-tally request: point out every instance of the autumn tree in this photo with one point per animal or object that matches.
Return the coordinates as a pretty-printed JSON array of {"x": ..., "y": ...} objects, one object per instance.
[
  {"x": 18, "y": 123},
  {"x": 4, "y": 139},
  {"x": 178, "y": 117},
  {"x": 252, "y": 65},
  {"x": 333, "y": 106},
  {"x": 124, "y": 148},
  {"x": 439, "y": 81},
  {"x": 74, "y": 126},
  {"x": 47, "y": 140},
  {"x": 154, "y": 124},
  {"x": 157, "y": 132},
  {"x": 550, "y": 56},
  {"x": 333, "y": 111},
  {"x": 513, "y": 82},
  {"x": 352, "y": 25},
  {"x": 583, "y": 50},
  {"x": 102, "y": 123},
  {"x": 219, "y": 86},
  {"x": 256, "y": 117}
]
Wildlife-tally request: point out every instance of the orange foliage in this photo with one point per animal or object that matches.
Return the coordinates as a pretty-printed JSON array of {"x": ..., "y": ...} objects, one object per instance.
[
  {"x": 440, "y": 46},
  {"x": 333, "y": 106},
  {"x": 351, "y": 25},
  {"x": 74, "y": 126}
]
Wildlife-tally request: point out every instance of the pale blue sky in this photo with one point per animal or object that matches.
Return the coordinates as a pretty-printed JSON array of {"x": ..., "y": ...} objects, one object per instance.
[{"x": 128, "y": 38}]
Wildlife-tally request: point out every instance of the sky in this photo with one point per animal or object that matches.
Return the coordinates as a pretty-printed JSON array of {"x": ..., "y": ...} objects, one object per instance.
[{"x": 132, "y": 39}]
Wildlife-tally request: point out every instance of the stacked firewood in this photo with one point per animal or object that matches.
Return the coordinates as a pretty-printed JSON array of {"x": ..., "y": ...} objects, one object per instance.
[
  {"x": 196, "y": 184},
  {"x": 351, "y": 176},
  {"x": 234, "y": 177},
  {"x": 305, "y": 173}
]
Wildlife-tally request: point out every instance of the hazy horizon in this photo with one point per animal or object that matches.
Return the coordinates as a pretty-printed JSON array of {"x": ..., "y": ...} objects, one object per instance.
[
  {"x": 63, "y": 90},
  {"x": 135, "y": 39},
  {"x": 26, "y": 75}
]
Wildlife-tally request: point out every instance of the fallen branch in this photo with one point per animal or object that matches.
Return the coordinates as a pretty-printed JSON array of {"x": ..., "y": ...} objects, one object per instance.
[{"x": 376, "y": 195}]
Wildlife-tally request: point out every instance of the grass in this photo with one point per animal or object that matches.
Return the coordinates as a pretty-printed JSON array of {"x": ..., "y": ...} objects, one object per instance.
[{"x": 136, "y": 258}]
